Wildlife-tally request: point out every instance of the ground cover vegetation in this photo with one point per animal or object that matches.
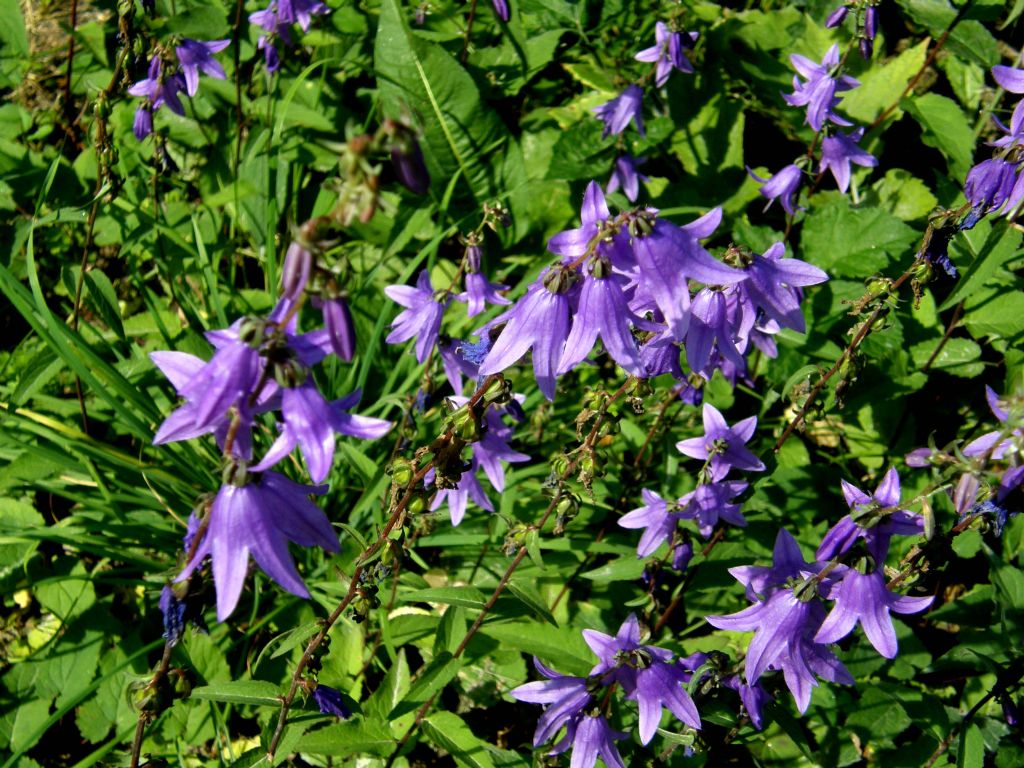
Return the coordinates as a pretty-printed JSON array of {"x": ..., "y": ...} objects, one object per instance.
[{"x": 520, "y": 383}]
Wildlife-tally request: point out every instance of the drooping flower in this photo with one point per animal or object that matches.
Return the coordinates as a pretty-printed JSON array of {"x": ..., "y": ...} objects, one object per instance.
[
  {"x": 722, "y": 445},
  {"x": 500, "y": 9},
  {"x": 782, "y": 186},
  {"x": 457, "y": 498},
  {"x": 838, "y": 151},
  {"x": 668, "y": 51},
  {"x": 479, "y": 290},
  {"x": 617, "y": 113},
  {"x": 157, "y": 89},
  {"x": 421, "y": 317},
  {"x": 773, "y": 285},
  {"x": 863, "y": 598},
  {"x": 539, "y": 320},
  {"x": 993, "y": 184},
  {"x": 330, "y": 702},
  {"x": 566, "y": 698},
  {"x": 602, "y": 312},
  {"x": 626, "y": 176},
  {"x": 594, "y": 738},
  {"x": 818, "y": 92},
  {"x": 259, "y": 517},
  {"x": 196, "y": 56},
  {"x": 668, "y": 257}
]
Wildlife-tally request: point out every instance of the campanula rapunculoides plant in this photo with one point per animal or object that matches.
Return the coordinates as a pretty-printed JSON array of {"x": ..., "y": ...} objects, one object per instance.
[{"x": 571, "y": 384}]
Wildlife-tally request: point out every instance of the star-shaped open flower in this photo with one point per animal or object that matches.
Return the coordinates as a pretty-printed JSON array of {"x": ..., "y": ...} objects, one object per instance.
[
  {"x": 722, "y": 445},
  {"x": 421, "y": 317}
]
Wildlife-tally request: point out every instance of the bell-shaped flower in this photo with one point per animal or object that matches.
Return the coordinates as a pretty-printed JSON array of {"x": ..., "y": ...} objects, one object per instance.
[
  {"x": 668, "y": 52},
  {"x": 259, "y": 518},
  {"x": 566, "y": 698},
  {"x": 626, "y": 176},
  {"x": 862, "y": 598},
  {"x": 837, "y": 152},
  {"x": 818, "y": 91},
  {"x": 196, "y": 56},
  {"x": 617, "y": 113},
  {"x": 709, "y": 503},
  {"x": 658, "y": 523},
  {"x": 539, "y": 320},
  {"x": 774, "y": 282},
  {"x": 782, "y": 186}
]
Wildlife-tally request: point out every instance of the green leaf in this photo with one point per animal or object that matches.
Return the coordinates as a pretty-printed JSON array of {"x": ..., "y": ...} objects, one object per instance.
[
  {"x": 961, "y": 357},
  {"x": 904, "y": 195},
  {"x": 625, "y": 568},
  {"x": 258, "y": 693},
  {"x": 460, "y": 135},
  {"x": 430, "y": 680},
  {"x": 946, "y": 128},
  {"x": 354, "y": 737},
  {"x": 391, "y": 690},
  {"x": 1001, "y": 246},
  {"x": 450, "y": 732},
  {"x": 853, "y": 242},
  {"x": 883, "y": 85},
  {"x": 467, "y": 597},
  {"x": 879, "y": 716},
  {"x": 527, "y": 594},
  {"x": 103, "y": 298},
  {"x": 561, "y": 647},
  {"x": 971, "y": 752}
]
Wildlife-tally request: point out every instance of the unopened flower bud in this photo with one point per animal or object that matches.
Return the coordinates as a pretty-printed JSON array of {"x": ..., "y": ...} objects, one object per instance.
[
  {"x": 410, "y": 167},
  {"x": 836, "y": 17},
  {"x": 298, "y": 264},
  {"x": 401, "y": 471},
  {"x": 340, "y": 327},
  {"x": 870, "y": 23}
]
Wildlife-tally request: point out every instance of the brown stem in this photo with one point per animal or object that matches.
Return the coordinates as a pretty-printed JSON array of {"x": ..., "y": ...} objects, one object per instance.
[
  {"x": 520, "y": 555},
  {"x": 862, "y": 333},
  {"x": 946, "y": 336},
  {"x": 140, "y": 726},
  {"x": 69, "y": 106},
  {"x": 469, "y": 30}
]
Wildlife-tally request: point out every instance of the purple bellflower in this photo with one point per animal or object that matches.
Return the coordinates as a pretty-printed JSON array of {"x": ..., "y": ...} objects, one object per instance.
[
  {"x": 479, "y": 290},
  {"x": 420, "y": 318},
  {"x": 994, "y": 184},
  {"x": 669, "y": 256},
  {"x": 724, "y": 447},
  {"x": 260, "y": 518},
  {"x": 539, "y": 320},
  {"x": 566, "y": 698},
  {"x": 310, "y": 422},
  {"x": 626, "y": 176},
  {"x": 646, "y": 673},
  {"x": 782, "y": 186},
  {"x": 785, "y": 616},
  {"x": 837, "y": 17},
  {"x": 617, "y": 113},
  {"x": 774, "y": 282},
  {"x": 863, "y": 598},
  {"x": 668, "y": 52},
  {"x": 594, "y": 738},
  {"x": 818, "y": 92},
  {"x": 875, "y": 518},
  {"x": 595, "y": 234},
  {"x": 710, "y": 328},
  {"x": 195, "y": 56},
  {"x": 709, "y": 503},
  {"x": 658, "y": 523},
  {"x": 330, "y": 702},
  {"x": 837, "y": 152},
  {"x": 602, "y": 312},
  {"x": 158, "y": 89},
  {"x": 457, "y": 498}
]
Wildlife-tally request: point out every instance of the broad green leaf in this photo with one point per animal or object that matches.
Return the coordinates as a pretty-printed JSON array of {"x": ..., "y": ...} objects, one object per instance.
[
  {"x": 467, "y": 597},
  {"x": 959, "y": 356},
  {"x": 429, "y": 682},
  {"x": 352, "y": 738},
  {"x": 853, "y": 242},
  {"x": 1002, "y": 244},
  {"x": 258, "y": 693},
  {"x": 882, "y": 86},
  {"x": 450, "y": 732},
  {"x": 946, "y": 128}
]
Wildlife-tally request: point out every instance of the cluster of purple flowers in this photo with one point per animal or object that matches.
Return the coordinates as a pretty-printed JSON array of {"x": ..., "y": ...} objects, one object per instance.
[
  {"x": 625, "y": 280},
  {"x": 667, "y": 54},
  {"x": 277, "y": 20},
  {"x": 996, "y": 185},
  {"x": 722, "y": 448},
  {"x": 818, "y": 92},
  {"x": 578, "y": 707},
  {"x": 991, "y": 466},
  {"x": 792, "y": 628},
  {"x": 166, "y": 80},
  {"x": 263, "y": 365}
]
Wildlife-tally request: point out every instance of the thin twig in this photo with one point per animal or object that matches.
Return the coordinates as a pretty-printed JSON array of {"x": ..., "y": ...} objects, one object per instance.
[
  {"x": 946, "y": 336},
  {"x": 862, "y": 333}
]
